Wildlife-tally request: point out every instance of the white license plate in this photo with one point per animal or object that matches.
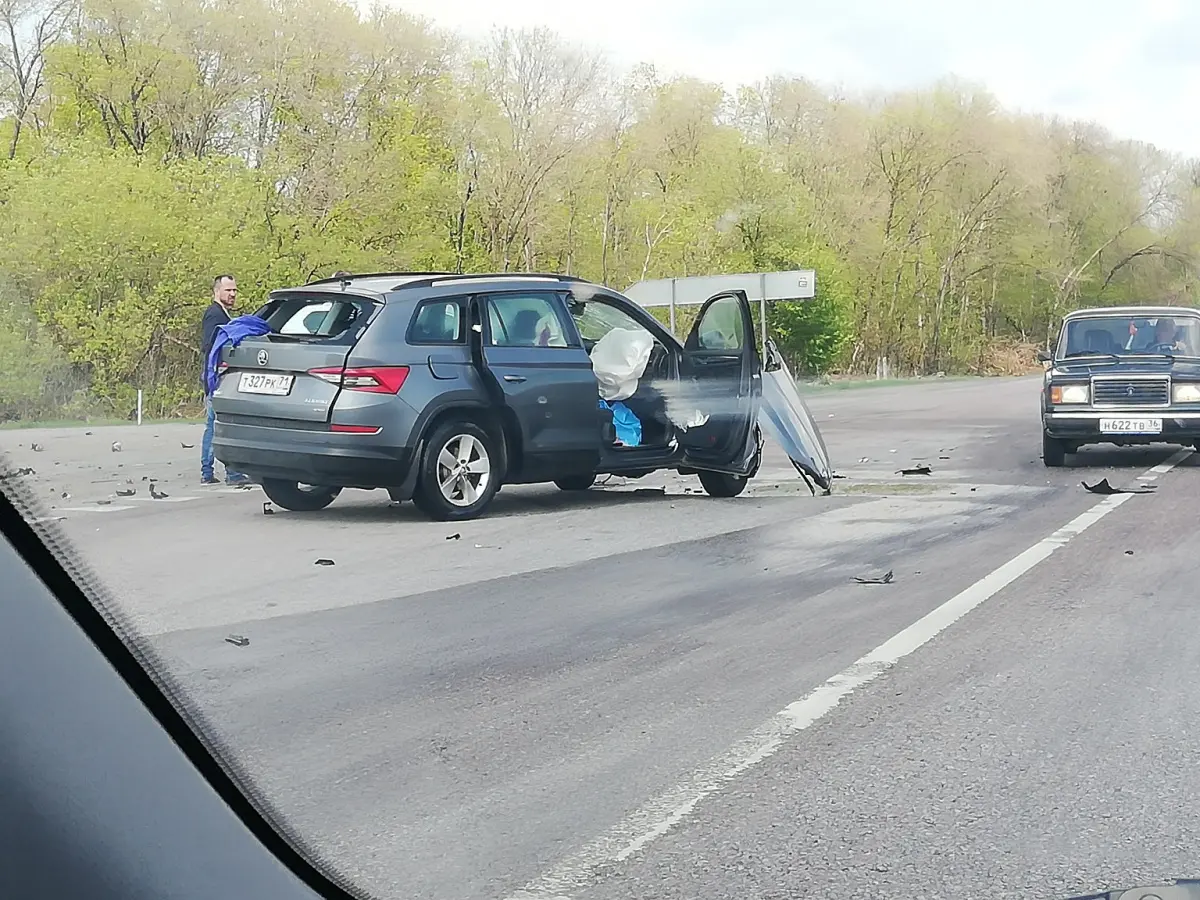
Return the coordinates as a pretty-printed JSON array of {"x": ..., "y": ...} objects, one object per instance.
[
  {"x": 1131, "y": 426},
  {"x": 265, "y": 383}
]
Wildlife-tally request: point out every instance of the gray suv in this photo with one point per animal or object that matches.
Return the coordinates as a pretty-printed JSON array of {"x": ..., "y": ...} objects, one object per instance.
[{"x": 440, "y": 388}]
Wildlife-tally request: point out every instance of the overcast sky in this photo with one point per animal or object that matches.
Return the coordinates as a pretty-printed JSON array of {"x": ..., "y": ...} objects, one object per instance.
[{"x": 1132, "y": 65}]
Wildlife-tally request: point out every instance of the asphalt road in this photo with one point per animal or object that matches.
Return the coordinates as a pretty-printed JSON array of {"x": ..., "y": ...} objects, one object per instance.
[{"x": 635, "y": 693}]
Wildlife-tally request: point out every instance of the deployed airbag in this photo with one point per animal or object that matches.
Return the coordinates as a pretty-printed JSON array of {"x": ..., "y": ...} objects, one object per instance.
[{"x": 619, "y": 359}]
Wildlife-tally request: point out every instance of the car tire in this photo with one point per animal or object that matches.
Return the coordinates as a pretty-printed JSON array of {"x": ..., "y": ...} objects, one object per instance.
[
  {"x": 468, "y": 495},
  {"x": 290, "y": 495},
  {"x": 718, "y": 484},
  {"x": 575, "y": 482},
  {"x": 1054, "y": 452}
]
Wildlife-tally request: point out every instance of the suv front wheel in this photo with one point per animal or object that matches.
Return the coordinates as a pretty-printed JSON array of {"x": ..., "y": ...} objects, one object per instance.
[
  {"x": 1054, "y": 452},
  {"x": 459, "y": 474},
  {"x": 718, "y": 484},
  {"x": 295, "y": 497}
]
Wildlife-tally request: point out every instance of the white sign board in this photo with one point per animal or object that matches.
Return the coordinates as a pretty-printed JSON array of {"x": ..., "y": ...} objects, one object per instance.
[{"x": 800, "y": 284}]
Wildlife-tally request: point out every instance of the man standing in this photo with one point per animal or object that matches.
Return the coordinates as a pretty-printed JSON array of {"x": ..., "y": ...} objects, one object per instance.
[{"x": 218, "y": 313}]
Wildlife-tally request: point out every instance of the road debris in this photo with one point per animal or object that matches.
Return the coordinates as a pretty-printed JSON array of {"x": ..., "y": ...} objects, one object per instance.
[
  {"x": 156, "y": 494},
  {"x": 916, "y": 470},
  {"x": 1103, "y": 487},
  {"x": 885, "y": 578},
  {"x": 324, "y": 562},
  {"x": 268, "y": 509},
  {"x": 116, "y": 446},
  {"x": 453, "y": 537},
  {"x": 126, "y": 492},
  {"x": 36, "y": 447},
  {"x": 186, "y": 446},
  {"x": 237, "y": 640}
]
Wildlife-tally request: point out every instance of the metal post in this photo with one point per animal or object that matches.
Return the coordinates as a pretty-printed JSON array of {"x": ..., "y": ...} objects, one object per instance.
[
  {"x": 672, "y": 307},
  {"x": 762, "y": 308},
  {"x": 139, "y": 410}
]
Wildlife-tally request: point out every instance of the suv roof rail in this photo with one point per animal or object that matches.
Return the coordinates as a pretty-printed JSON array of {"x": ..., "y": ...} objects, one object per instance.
[
  {"x": 335, "y": 279},
  {"x": 353, "y": 276}
]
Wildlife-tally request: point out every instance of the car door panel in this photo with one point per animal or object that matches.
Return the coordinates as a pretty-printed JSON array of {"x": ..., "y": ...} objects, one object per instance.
[
  {"x": 721, "y": 381},
  {"x": 550, "y": 390}
]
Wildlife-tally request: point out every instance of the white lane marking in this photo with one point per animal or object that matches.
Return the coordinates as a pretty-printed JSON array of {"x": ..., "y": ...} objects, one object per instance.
[
  {"x": 114, "y": 507},
  {"x": 663, "y": 813}
]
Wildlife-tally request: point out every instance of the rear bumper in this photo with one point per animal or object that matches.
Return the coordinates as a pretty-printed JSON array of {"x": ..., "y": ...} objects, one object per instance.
[
  {"x": 1084, "y": 426},
  {"x": 311, "y": 457}
]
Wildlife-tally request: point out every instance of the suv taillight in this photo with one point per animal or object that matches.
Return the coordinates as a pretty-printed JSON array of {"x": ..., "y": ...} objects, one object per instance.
[{"x": 373, "y": 379}]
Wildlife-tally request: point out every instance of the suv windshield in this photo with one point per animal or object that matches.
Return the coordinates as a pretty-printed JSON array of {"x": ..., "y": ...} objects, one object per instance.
[{"x": 1131, "y": 335}]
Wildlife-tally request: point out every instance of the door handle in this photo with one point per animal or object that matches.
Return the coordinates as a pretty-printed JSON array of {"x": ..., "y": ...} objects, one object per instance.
[{"x": 514, "y": 378}]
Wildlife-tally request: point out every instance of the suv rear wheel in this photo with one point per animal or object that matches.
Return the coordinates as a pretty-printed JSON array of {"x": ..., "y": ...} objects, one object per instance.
[
  {"x": 459, "y": 473},
  {"x": 718, "y": 484},
  {"x": 298, "y": 497}
]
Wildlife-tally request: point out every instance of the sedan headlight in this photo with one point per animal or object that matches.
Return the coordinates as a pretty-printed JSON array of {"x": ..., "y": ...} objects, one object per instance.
[
  {"x": 1185, "y": 393},
  {"x": 1069, "y": 393}
]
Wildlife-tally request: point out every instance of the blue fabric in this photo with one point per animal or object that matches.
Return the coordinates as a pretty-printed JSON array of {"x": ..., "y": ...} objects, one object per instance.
[
  {"x": 232, "y": 333},
  {"x": 626, "y": 422}
]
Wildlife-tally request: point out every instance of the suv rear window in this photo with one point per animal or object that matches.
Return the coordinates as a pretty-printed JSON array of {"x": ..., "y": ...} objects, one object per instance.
[{"x": 315, "y": 316}]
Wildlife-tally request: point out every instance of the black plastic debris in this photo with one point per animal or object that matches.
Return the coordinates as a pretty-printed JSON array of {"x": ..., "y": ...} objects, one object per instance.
[
  {"x": 103, "y": 502},
  {"x": 186, "y": 446},
  {"x": 86, "y": 433},
  {"x": 268, "y": 509},
  {"x": 156, "y": 494},
  {"x": 237, "y": 640},
  {"x": 36, "y": 447},
  {"x": 324, "y": 562},
  {"x": 453, "y": 537},
  {"x": 116, "y": 446},
  {"x": 1129, "y": 553},
  {"x": 65, "y": 495},
  {"x": 885, "y": 578},
  {"x": 126, "y": 492},
  {"x": 1103, "y": 487},
  {"x": 834, "y": 475},
  {"x": 916, "y": 470}
]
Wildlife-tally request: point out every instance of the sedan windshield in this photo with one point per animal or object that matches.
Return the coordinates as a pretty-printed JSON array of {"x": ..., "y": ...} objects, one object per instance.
[{"x": 1131, "y": 335}]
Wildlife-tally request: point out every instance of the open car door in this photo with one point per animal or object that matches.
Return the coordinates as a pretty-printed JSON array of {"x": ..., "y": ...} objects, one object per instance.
[
  {"x": 785, "y": 418},
  {"x": 720, "y": 388}
]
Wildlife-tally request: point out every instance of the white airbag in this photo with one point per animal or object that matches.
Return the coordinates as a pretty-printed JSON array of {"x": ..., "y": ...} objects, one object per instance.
[{"x": 619, "y": 359}]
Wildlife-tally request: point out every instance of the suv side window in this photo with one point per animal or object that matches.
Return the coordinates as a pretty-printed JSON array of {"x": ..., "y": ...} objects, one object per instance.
[
  {"x": 438, "y": 322},
  {"x": 525, "y": 320}
]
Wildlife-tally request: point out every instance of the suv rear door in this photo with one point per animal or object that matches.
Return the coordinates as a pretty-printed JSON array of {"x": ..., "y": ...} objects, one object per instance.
[
  {"x": 540, "y": 370},
  {"x": 294, "y": 372},
  {"x": 721, "y": 378}
]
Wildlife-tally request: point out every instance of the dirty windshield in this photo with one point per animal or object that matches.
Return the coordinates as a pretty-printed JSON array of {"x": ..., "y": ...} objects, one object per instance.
[
  {"x": 630, "y": 451},
  {"x": 1130, "y": 335}
]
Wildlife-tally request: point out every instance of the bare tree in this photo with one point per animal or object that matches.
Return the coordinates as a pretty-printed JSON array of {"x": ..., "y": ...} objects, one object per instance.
[{"x": 28, "y": 29}]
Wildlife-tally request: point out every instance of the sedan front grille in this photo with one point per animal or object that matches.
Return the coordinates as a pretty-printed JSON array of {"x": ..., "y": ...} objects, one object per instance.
[{"x": 1131, "y": 392}]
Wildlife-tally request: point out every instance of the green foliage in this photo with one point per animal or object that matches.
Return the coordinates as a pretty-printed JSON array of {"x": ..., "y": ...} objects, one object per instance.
[{"x": 317, "y": 139}]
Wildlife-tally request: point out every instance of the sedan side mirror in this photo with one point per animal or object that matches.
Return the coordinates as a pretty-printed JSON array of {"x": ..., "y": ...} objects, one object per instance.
[{"x": 1044, "y": 356}]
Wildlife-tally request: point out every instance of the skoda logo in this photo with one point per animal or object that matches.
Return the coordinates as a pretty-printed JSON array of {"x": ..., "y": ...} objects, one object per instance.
[{"x": 262, "y": 359}]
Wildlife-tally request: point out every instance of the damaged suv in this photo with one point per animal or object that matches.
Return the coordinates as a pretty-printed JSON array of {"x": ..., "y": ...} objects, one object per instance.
[
  {"x": 440, "y": 388},
  {"x": 1122, "y": 375}
]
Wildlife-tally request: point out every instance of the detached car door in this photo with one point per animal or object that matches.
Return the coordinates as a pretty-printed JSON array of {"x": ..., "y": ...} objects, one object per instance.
[
  {"x": 786, "y": 418},
  {"x": 539, "y": 369},
  {"x": 721, "y": 384}
]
